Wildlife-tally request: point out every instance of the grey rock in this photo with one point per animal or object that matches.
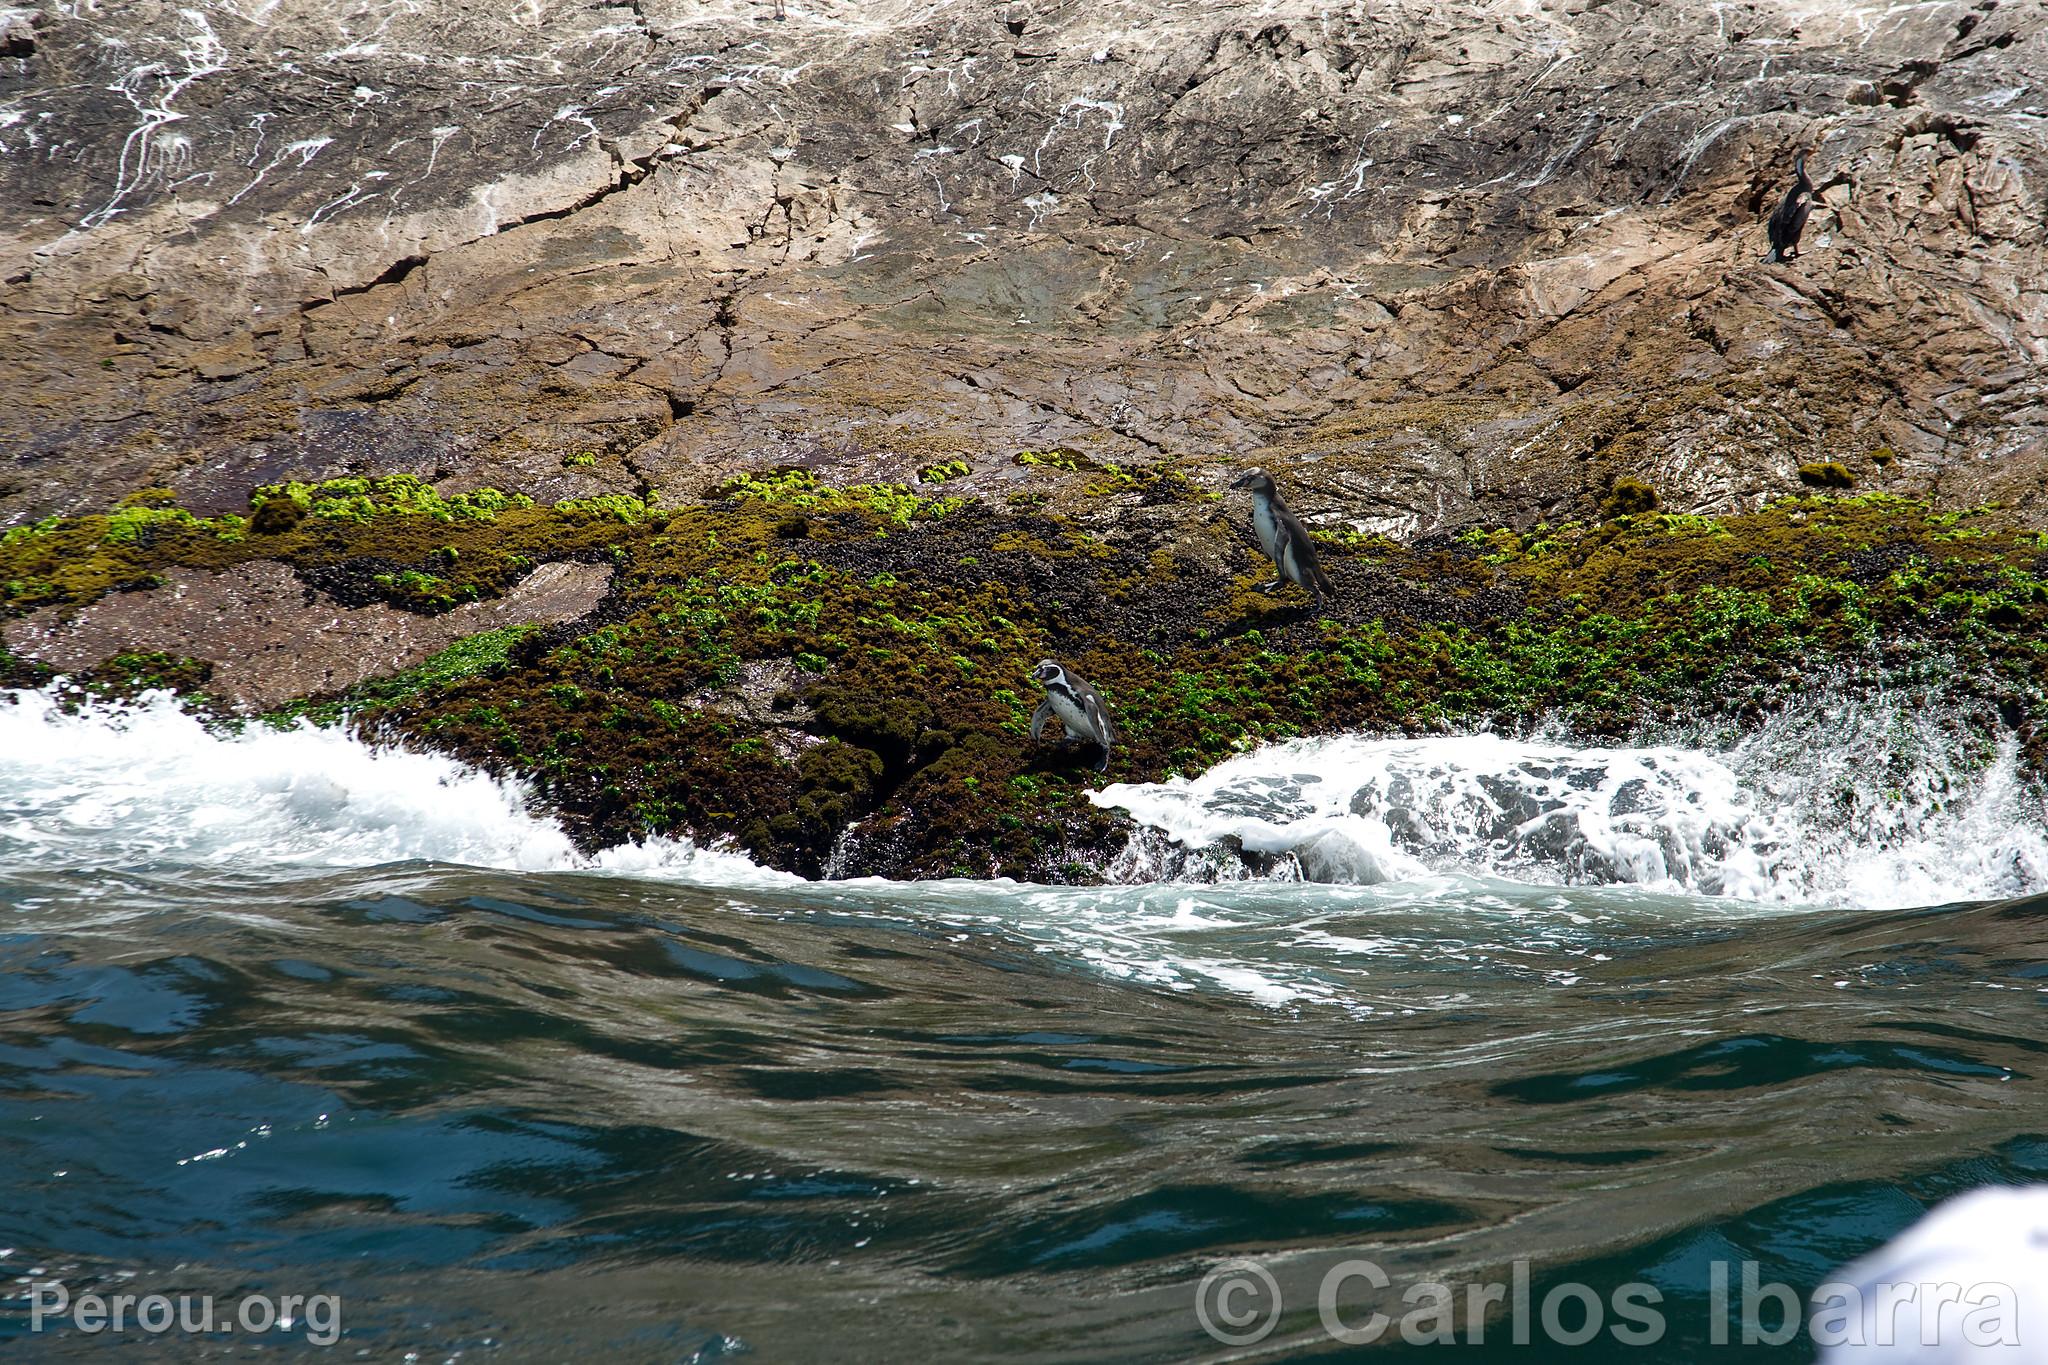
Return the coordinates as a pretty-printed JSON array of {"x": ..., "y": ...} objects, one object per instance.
[{"x": 1476, "y": 264}]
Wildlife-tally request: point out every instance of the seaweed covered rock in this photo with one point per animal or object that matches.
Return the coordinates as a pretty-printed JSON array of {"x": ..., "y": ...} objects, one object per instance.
[{"x": 857, "y": 701}]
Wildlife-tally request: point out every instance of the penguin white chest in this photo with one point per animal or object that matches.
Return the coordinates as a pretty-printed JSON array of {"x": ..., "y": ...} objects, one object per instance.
[
  {"x": 1267, "y": 526},
  {"x": 1072, "y": 715}
]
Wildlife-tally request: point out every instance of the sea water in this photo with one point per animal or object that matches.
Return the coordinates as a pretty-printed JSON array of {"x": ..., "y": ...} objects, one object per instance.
[{"x": 285, "y": 1013}]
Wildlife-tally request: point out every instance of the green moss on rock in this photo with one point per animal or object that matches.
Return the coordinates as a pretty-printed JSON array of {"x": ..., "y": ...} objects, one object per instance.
[
  {"x": 364, "y": 499},
  {"x": 1628, "y": 497},
  {"x": 1826, "y": 474},
  {"x": 843, "y": 700},
  {"x": 392, "y": 540},
  {"x": 889, "y": 503}
]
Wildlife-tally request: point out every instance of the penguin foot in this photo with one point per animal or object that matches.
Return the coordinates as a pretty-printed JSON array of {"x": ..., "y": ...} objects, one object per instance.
[{"x": 1102, "y": 764}]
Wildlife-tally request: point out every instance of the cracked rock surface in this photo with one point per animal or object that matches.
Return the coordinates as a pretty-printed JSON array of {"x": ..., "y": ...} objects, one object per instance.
[{"x": 1470, "y": 262}]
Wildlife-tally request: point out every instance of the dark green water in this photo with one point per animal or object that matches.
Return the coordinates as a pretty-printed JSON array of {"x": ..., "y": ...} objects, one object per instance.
[
  {"x": 543, "y": 1116},
  {"x": 270, "y": 1026}
]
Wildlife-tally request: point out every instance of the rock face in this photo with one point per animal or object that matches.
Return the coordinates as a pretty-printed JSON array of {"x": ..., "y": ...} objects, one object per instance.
[
  {"x": 270, "y": 638},
  {"x": 1472, "y": 261}
]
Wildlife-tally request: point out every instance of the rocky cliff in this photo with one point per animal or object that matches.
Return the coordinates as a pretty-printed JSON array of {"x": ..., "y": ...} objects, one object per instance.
[
  {"x": 1470, "y": 261},
  {"x": 711, "y": 416}
]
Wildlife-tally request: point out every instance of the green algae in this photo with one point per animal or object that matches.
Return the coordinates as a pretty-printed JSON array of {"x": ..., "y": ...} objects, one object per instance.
[
  {"x": 472, "y": 656},
  {"x": 829, "y": 694},
  {"x": 923, "y": 677},
  {"x": 1826, "y": 474},
  {"x": 625, "y": 508},
  {"x": 1628, "y": 496},
  {"x": 890, "y": 503},
  {"x": 129, "y": 674},
  {"x": 391, "y": 539},
  {"x": 20, "y": 671},
  {"x": 122, "y": 677},
  {"x": 1067, "y": 460},
  {"x": 364, "y": 499},
  {"x": 941, "y": 471}
]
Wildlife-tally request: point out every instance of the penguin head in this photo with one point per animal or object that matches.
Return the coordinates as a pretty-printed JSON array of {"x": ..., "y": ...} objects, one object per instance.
[
  {"x": 1049, "y": 672},
  {"x": 1258, "y": 480}
]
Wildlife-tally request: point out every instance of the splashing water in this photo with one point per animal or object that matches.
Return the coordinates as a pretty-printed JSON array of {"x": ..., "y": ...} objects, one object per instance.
[
  {"x": 1862, "y": 803},
  {"x": 251, "y": 1004},
  {"x": 1850, "y": 803},
  {"x": 127, "y": 786}
]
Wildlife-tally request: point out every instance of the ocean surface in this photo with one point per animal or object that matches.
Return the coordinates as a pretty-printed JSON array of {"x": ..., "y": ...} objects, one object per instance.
[{"x": 284, "y": 1014}]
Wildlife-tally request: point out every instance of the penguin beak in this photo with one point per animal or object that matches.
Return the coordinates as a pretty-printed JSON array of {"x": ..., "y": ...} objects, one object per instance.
[{"x": 1244, "y": 480}]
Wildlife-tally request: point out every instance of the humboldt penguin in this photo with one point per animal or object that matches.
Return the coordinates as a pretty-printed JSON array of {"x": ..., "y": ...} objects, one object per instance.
[
  {"x": 1078, "y": 706},
  {"x": 1283, "y": 539},
  {"x": 1790, "y": 219}
]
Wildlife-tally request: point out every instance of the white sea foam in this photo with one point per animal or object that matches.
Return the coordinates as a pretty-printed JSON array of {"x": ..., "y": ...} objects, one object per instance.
[
  {"x": 1861, "y": 803},
  {"x": 141, "y": 785},
  {"x": 1447, "y": 854},
  {"x": 147, "y": 783}
]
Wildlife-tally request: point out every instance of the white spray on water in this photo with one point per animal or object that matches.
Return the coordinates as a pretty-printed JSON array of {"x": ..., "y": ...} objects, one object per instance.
[
  {"x": 1860, "y": 803},
  {"x": 1846, "y": 803},
  {"x": 1446, "y": 854},
  {"x": 130, "y": 786}
]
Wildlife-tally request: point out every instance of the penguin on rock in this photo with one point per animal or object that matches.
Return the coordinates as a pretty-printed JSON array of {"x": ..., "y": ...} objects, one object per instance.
[
  {"x": 1285, "y": 540},
  {"x": 1078, "y": 706}
]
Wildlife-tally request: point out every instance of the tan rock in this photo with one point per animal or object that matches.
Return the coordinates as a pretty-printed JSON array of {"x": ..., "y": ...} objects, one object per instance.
[
  {"x": 1435, "y": 246},
  {"x": 271, "y": 639}
]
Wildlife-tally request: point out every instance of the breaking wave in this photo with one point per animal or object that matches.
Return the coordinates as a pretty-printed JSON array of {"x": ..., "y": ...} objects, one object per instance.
[
  {"x": 1861, "y": 803},
  {"x": 132, "y": 786},
  {"x": 1855, "y": 803}
]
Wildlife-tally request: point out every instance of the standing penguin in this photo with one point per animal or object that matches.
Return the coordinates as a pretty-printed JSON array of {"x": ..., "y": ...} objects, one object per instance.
[
  {"x": 1078, "y": 706},
  {"x": 1283, "y": 539},
  {"x": 1790, "y": 218}
]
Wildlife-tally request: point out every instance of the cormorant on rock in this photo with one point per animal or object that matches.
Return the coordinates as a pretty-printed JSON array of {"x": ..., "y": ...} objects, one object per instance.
[
  {"x": 1790, "y": 219},
  {"x": 1284, "y": 539}
]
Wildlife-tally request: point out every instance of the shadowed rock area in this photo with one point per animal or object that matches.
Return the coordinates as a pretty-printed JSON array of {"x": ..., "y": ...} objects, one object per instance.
[{"x": 1472, "y": 263}]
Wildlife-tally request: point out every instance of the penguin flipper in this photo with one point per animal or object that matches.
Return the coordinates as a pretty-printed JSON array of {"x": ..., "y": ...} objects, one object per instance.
[
  {"x": 1304, "y": 568},
  {"x": 1105, "y": 732},
  {"x": 1322, "y": 579},
  {"x": 1102, "y": 763},
  {"x": 1040, "y": 717}
]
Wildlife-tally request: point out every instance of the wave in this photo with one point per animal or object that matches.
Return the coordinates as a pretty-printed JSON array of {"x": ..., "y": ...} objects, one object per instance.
[
  {"x": 1864, "y": 803},
  {"x": 94, "y": 785},
  {"x": 1853, "y": 803}
]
